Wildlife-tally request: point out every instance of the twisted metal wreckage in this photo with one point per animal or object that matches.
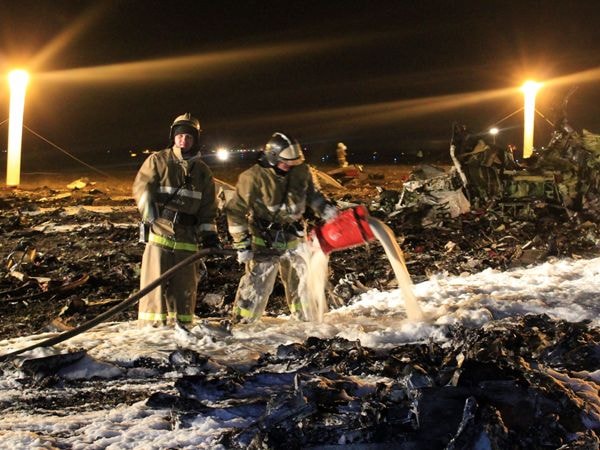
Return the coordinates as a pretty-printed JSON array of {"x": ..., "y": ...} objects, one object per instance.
[
  {"x": 434, "y": 396},
  {"x": 563, "y": 176}
]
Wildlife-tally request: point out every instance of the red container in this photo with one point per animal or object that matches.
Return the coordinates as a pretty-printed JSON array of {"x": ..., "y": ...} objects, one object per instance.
[{"x": 349, "y": 229}]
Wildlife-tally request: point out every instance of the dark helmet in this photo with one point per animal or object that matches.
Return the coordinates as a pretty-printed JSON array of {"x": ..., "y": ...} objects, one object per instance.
[
  {"x": 283, "y": 148},
  {"x": 185, "y": 123}
]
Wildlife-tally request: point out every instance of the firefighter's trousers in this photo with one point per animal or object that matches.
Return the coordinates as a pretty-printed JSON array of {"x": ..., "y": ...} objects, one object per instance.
[
  {"x": 256, "y": 285},
  {"x": 174, "y": 299}
]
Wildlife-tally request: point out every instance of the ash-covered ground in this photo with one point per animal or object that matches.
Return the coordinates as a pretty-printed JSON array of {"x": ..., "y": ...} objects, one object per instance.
[
  {"x": 70, "y": 252},
  {"x": 501, "y": 381}
]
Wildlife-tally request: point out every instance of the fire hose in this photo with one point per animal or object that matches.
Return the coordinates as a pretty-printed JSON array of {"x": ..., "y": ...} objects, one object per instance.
[
  {"x": 349, "y": 228},
  {"x": 131, "y": 300}
]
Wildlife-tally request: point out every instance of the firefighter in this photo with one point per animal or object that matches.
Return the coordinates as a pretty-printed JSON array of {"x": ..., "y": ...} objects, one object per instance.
[
  {"x": 341, "y": 154},
  {"x": 265, "y": 220},
  {"x": 175, "y": 194}
]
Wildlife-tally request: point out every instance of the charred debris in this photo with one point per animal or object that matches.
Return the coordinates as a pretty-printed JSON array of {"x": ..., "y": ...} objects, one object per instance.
[
  {"x": 454, "y": 396},
  {"x": 519, "y": 383},
  {"x": 69, "y": 254},
  {"x": 487, "y": 210}
]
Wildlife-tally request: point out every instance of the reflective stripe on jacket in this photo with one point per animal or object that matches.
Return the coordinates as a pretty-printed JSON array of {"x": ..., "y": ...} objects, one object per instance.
[{"x": 167, "y": 181}]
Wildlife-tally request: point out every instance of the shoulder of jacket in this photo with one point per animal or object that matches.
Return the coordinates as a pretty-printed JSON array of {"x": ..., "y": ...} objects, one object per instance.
[
  {"x": 150, "y": 160},
  {"x": 161, "y": 154},
  {"x": 253, "y": 171},
  {"x": 250, "y": 177}
]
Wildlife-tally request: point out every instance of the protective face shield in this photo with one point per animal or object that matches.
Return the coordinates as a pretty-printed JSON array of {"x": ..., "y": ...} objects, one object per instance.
[
  {"x": 282, "y": 148},
  {"x": 185, "y": 123}
]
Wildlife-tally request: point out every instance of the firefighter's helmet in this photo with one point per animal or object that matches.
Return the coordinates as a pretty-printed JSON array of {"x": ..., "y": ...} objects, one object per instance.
[
  {"x": 283, "y": 148},
  {"x": 185, "y": 123}
]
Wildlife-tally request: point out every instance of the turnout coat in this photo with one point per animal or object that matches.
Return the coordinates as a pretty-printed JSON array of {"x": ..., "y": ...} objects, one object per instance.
[{"x": 177, "y": 197}]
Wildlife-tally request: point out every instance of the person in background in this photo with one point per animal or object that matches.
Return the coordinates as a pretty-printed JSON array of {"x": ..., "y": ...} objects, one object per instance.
[
  {"x": 265, "y": 220},
  {"x": 175, "y": 194},
  {"x": 341, "y": 154}
]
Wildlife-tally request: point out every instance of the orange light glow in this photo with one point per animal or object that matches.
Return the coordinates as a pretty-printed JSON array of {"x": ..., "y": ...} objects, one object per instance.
[
  {"x": 18, "y": 80},
  {"x": 530, "y": 89}
]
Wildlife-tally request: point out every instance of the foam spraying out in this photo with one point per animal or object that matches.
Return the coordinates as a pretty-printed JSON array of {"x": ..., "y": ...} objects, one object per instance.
[
  {"x": 317, "y": 263},
  {"x": 351, "y": 228},
  {"x": 386, "y": 237}
]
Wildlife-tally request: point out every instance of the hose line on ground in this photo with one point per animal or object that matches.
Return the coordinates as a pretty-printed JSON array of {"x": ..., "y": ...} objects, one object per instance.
[{"x": 131, "y": 300}]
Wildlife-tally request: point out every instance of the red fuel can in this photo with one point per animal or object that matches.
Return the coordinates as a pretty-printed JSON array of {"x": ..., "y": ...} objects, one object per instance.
[{"x": 349, "y": 229}]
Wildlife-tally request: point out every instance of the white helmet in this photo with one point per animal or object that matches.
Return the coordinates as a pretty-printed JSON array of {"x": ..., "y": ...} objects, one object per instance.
[{"x": 283, "y": 148}]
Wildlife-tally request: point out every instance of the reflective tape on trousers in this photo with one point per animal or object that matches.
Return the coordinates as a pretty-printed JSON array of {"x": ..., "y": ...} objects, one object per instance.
[{"x": 171, "y": 244}]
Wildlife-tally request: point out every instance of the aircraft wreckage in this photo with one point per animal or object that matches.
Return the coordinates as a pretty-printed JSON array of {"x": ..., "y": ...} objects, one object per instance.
[
  {"x": 504, "y": 385},
  {"x": 564, "y": 175}
]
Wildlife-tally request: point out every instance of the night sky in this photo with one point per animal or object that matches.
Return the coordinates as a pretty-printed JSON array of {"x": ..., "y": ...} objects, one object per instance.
[{"x": 381, "y": 76}]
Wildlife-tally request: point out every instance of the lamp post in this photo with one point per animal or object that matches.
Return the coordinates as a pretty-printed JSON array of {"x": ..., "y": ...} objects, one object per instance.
[
  {"x": 530, "y": 89},
  {"x": 17, "y": 80},
  {"x": 494, "y": 132}
]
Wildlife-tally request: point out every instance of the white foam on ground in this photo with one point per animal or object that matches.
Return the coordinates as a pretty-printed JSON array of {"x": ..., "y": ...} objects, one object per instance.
[{"x": 564, "y": 289}]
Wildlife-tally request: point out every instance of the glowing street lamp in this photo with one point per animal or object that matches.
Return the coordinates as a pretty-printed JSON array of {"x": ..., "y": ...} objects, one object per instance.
[
  {"x": 530, "y": 89},
  {"x": 17, "y": 80},
  {"x": 494, "y": 131}
]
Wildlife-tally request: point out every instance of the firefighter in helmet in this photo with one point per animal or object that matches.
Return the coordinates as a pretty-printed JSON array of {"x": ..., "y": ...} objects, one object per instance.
[
  {"x": 265, "y": 220},
  {"x": 175, "y": 194}
]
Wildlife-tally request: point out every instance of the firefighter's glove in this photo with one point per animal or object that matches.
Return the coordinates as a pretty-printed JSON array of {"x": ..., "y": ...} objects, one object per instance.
[
  {"x": 243, "y": 256},
  {"x": 330, "y": 212},
  {"x": 210, "y": 240}
]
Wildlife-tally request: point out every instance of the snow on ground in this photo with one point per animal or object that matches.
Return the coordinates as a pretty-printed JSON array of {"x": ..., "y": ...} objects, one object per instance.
[{"x": 563, "y": 288}]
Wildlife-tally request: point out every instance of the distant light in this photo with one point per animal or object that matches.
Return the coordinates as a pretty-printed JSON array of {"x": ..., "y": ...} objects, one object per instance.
[
  {"x": 17, "y": 80},
  {"x": 494, "y": 131},
  {"x": 222, "y": 154}
]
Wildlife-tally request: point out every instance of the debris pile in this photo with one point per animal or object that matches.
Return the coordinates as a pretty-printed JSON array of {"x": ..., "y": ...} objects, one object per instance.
[
  {"x": 526, "y": 382},
  {"x": 68, "y": 255},
  {"x": 64, "y": 256},
  {"x": 505, "y": 384}
]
